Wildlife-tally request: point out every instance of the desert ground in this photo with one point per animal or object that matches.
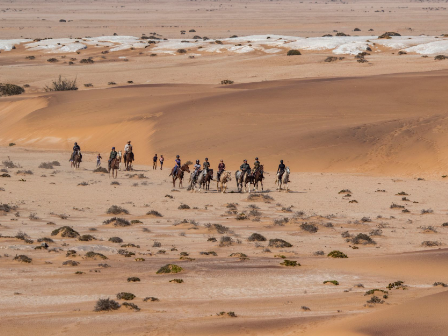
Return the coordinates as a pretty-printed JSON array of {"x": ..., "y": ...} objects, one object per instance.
[{"x": 357, "y": 245}]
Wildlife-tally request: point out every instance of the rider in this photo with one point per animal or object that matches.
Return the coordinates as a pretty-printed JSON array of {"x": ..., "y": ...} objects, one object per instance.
[
  {"x": 76, "y": 148},
  {"x": 154, "y": 162},
  {"x": 245, "y": 169},
  {"x": 256, "y": 165},
  {"x": 281, "y": 169},
  {"x": 221, "y": 169},
  {"x": 128, "y": 149},
  {"x": 174, "y": 171},
  {"x": 197, "y": 170},
  {"x": 206, "y": 166},
  {"x": 113, "y": 154}
]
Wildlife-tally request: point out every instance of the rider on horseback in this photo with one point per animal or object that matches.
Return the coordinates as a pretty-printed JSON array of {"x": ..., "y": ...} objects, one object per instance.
[
  {"x": 221, "y": 169},
  {"x": 76, "y": 149},
  {"x": 256, "y": 165},
  {"x": 113, "y": 155},
  {"x": 206, "y": 166},
  {"x": 174, "y": 171},
  {"x": 197, "y": 170},
  {"x": 128, "y": 149},
  {"x": 281, "y": 170},
  {"x": 245, "y": 168}
]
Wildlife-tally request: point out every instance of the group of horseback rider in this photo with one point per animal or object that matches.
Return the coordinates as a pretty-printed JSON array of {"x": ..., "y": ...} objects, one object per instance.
[
  {"x": 245, "y": 168},
  {"x": 113, "y": 154}
]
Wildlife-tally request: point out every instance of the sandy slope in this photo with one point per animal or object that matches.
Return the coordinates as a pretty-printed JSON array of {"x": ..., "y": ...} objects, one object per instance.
[{"x": 382, "y": 124}]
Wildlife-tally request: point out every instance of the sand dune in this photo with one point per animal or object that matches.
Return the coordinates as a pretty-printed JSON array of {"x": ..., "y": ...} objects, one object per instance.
[{"x": 392, "y": 124}]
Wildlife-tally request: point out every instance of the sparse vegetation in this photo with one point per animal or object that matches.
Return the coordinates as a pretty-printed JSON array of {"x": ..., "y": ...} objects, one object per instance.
[
  {"x": 362, "y": 238},
  {"x": 95, "y": 255},
  {"x": 133, "y": 279},
  {"x": 256, "y": 237},
  {"x": 125, "y": 296},
  {"x": 290, "y": 263},
  {"x": 293, "y": 52},
  {"x": 337, "y": 254},
  {"x": 65, "y": 231},
  {"x": 334, "y": 282},
  {"x": 131, "y": 306},
  {"x": 428, "y": 243},
  {"x": 10, "y": 90},
  {"x": 154, "y": 213},
  {"x": 278, "y": 243},
  {"x": 311, "y": 228},
  {"x": 184, "y": 207},
  {"x": 70, "y": 263},
  {"x": 169, "y": 268},
  {"x": 227, "y": 82},
  {"x": 226, "y": 241},
  {"x": 62, "y": 85},
  {"x": 23, "y": 258},
  {"x": 117, "y": 210},
  {"x": 106, "y": 305}
]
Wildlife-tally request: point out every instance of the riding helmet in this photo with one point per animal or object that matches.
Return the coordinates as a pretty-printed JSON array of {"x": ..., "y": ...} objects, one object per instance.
[
  {"x": 76, "y": 143},
  {"x": 245, "y": 160},
  {"x": 256, "y": 158},
  {"x": 113, "y": 147},
  {"x": 206, "y": 159},
  {"x": 281, "y": 161},
  {"x": 177, "y": 156},
  {"x": 197, "y": 161}
]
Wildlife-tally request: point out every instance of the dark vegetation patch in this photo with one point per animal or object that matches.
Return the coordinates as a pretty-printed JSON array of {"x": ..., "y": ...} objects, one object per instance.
[
  {"x": 125, "y": 296},
  {"x": 278, "y": 243},
  {"x": 23, "y": 258},
  {"x": 106, "y": 305},
  {"x": 169, "y": 268},
  {"x": 65, "y": 231},
  {"x": 337, "y": 254},
  {"x": 117, "y": 221},
  {"x": 117, "y": 210},
  {"x": 256, "y": 237},
  {"x": 95, "y": 255}
]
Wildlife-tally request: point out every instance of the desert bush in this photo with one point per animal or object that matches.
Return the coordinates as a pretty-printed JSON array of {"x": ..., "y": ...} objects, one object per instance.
[
  {"x": 212, "y": 239},
  {"x": 311, "y": 228},
  {"x": 213, "y": 253},
  {"x": 387, "y": 35},
  {"x": 225, "y": 241},
  {"x": 397, "y": 285},
  {"x": 177, "y": 281},
  {"x": 241, "y": 216},
  {"x": 278, "y": 243},
  {"x": 290, "y": 263},
  {"x": 319, "y": 253},
  {"x": 131, "y": 306},
  {"x": 428, "y": 229},
  {"x": 221, "y": 229},
  {"x": 362, "y": 238},
  {"x": 181, "y": 51},
  {"x": 52, "y": 60},
  {"x": 281, "y": 221},
  {"x": 9, "y": 164},
  {"x": 10, "y": 90},
  {"x": 331, "y": 59},
  {"x": 428, "y": 243},
  {"x": 30, "y": 57},
  {"x": 106, "y": 305},
  {"x": 337, "y": 254},
  {"x": 70, "y": 263},
  {"x": 71, "y": 253},
  {"x": 184, "y": 207},
  {"x": 293, "y": 52},
  {"x": 87, "y": 61},
  {"x": 169, "y": 268},
  {"x": 23, "y": 258},
  {"x": 375, "y": 299},
  {"x": 440, "y": 57},
  {"x": 133, "y": 279},
  {"x": 88, "y": 85},
  {"x": 156, "y": 244},
  {"x": 111, "y": 83},
  {"x": 86, "y": 238},
  {"x": 255, "y": 213},
  {"x": 440, "y": 284},
  {"x": 102, "y": 170},
  {"x": 151, "y": 298},
  {"x": 372, "y": 291},
  {"x": 334, "y": 282},
  {"x": 46, "y": 165},
  {"x": 154, "y": 213},
  {"x": 126, "y": 253},
  {"x": 426, "y": 211},
  {"x": 117, "y": 210},
  {"x": 256, "y": 237},
  {"x": 45, "y": 240},
  {"x": 227, "y": 82},
  {"x": 62, "y": 85},
  {"x": 94, "y": 255},
  {"x": 396, "y": 206},
  {"x": 376, "y": 232},
  {"x": 65, "y": 231},
  {"x": 125, "y": 296}
]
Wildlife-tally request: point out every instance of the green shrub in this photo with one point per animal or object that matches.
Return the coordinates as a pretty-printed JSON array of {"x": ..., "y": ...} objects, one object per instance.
[
  {"x": 337, "y": 254},
  {"x": 62, "y": 85},
  {"x": 23, "y": 258},
  {"x": 169, "y": 268},
  {"x": 334, "y": 282},
  {"x": 106, "y": 305},
  {"x": 86, "y": 238},
  {"x": 95, "y": 255},
  {"x": 279, "y": 243},
  {"x": 293, "y": 52},
  {"x": 256, "y": 237},
  {"x": 177, "y": 280},
  {"x": 65, "y": 231},
  {"x": 291, "y": 263},
  {"x": 125, "y": 296}
]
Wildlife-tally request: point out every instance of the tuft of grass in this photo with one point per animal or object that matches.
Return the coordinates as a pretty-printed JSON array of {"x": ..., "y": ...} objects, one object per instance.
[
  {"x": 184, "y": 207},
  {"x": 362, "y": 238},
  {"x": 311, "y": 228},
  {"x": 221, "y": 229},
  {"x": 106, "y": 305},
  {"x": 426, "y": 211},
  {"x": 177, "y": 280},
  {"x": 293, "y": 52},
  {"x": 131, "y": 306},
  {"x": 86, "y": 238},
  {"x": 133, "y": 279},
  {"x": 65, "y": 231},
  {"x": 150, "y": 298},
  {"x": 256, "y": 237},
  {"x": 70, "y": 263},
  {"x": 154, "y": 213},
  {"x": 227, "y": 82},
  {"x": 62, "y": 85},
  {"x": 428, "y": 243},
  {"x": 337, "y": 254},
  {"x": 125, "y": 296},
  {"x": 117, "y": 221},
  {"x": 278, "y": 243},
  {"x": 23, "y": 258},
  {"x": 225, "y": 241},
  {"x": 334, "y": 282},
  {"x": 169, "y": 268},
  {"x": 9, "y": 164},
  {"x": 94, "y": 255},
  {"x": 290, "y": 263},
  {"x": 375, "y": 299},
  {"x": 10, "y": 90},
  {"x": 102, "y": 170},
  {"x": 117, "y": 210},
  {"x": 115, "y": 240}
]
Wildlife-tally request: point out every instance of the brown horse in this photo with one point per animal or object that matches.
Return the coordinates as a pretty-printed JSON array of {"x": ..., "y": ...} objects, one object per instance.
[
  {"x": 128, "y": 159},
  {"x": 248, "y": 178},
  {"x": 76, "y": 160},
  {"x": 223, "y": 179},
  {"x": 207, "y": 179},
  {"x": 258, "y": 177},
  {"x": 115, "y": 166},
  {"x": 180, "y": 174}
]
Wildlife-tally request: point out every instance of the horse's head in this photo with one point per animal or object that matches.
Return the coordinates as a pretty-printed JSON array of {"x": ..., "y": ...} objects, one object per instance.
[
  {"x": 185, "y": 168},
  {"x": 228, "y": 176},
  {"x": 119, "y": 154},
  {"x": 287, "y": 170}
]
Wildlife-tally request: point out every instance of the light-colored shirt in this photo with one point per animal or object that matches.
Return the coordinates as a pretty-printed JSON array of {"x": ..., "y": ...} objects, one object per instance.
[{"x": 127, "y": 148}]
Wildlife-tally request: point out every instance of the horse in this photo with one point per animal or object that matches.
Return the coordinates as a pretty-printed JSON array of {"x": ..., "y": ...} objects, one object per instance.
[
  {"x": 223, "y": 179},
  {"x": 76, "y": 160},
  {"x": 114, "y": 166},
  {"x": 207, "y": 178},
  {"x": 258, "y": 177},
  {"x": 197, "y": 181},
  {"x": 180, "y": 174},
  {"x": 128, "y": 159},
  {"x": 248, "y": 178},
  {"x": 283, "y": 179}
]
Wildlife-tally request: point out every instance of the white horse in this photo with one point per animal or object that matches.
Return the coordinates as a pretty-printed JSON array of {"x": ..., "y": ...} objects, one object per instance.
[
  {"x": 242, "y": 186},
  {"x": 284, "y": 180},
  {"x": 223, "y": 179},
  {"x": 198, "y": 182},
  {"x": 119, "y": 156}
]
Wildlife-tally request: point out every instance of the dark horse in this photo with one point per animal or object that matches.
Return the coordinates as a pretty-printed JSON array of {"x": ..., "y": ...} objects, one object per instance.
[
  {"x": 258, "y": 177},
  {"x": 76, "y": 160},
  {"x": 180, "y": 174},
  {"x": 128, "y": 159},
  {"x": 114, "y": 166},
  {"x": 208, "y": 178}
]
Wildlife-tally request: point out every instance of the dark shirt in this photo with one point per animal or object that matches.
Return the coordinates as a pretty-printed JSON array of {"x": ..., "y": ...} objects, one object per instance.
[
  {"x": 245, "y": 167},
  {"x": 113, "y": 155},
  {"x": 154, "y": 159},
  {"x": 178, "y": 162},
  {"x": 281, "y": 167},
  {"x": 222, "y": 167},
  {"x": 76, "y": 148},
  {"x": 206, "y": 165}
]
